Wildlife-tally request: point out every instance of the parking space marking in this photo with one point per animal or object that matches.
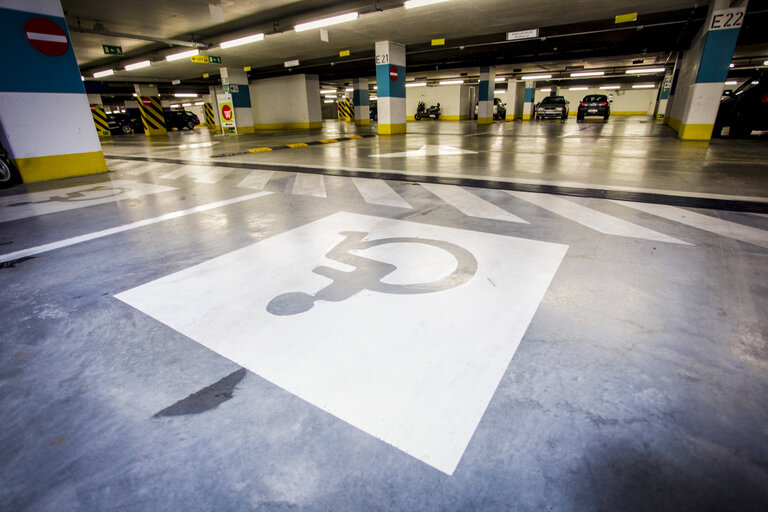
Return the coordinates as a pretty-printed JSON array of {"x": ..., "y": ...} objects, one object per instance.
[
  {"x": 379, "y": 192},
  {"x": 593, "y": 219},
  {"x": 199, "y": 173},
  {"x": 21, "y": 206},
  {"x": 470, "y": 204},
  {"x": 256, "y": 180},
  {"x": 126, "y": 227},
  {"x": 309, "y": 185},
  {"x": 348, "y": 341},
  {"x": 714, "y": 225}
]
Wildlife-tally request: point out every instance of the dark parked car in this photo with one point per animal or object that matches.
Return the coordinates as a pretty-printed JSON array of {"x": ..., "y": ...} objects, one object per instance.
[
  {"x": 744, "y": 110},
  {"x": 180, "y": 119},
  {"x": 552, "y": 106},
  {"x": 594, "y": 105},
  {"x": 125, "y": 124}
]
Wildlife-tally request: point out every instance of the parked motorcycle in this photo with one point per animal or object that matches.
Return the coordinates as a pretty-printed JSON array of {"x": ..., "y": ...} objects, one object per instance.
[
  {"x": 8, "y": 173},
  {"x": 422, "y": 112}
]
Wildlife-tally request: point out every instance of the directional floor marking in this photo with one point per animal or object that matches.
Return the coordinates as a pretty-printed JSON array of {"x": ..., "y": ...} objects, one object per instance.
[
  {"x": 373, "y": 351},
  {"x": 21, "y": 206},
  {"x": 198, "y": 173},
  {"x": 378, "y": 192},
  {"x": 428, "y": 150},
  {"x": 470, "y": 204},
  {"x": 720, "y": 227},
  {"x": 593, "y": 219},
  {"x": 256, "y": 180},
  {"x": 309, "y": 185}
]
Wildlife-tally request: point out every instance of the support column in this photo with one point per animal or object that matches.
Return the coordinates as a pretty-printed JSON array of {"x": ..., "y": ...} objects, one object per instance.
[
  {"x": 666, "y": 87},
  {"x": 99, "y": 116},
  {"x": 47, "y": 126},
  {"x": 703, "y": 71},
  {"x": 290, "y": 102},
  {"x": 208, "y": 119},
  {"x": 235, "y": 82},
  {"x": 390, "y": 79},
  {"x": 360, "y": 101},
  {"x": 530, "y": 88},
  {"x": 485, "y": 95},
  {"x": 151, "y": 110},
  {"x": 216, "y": 125}
]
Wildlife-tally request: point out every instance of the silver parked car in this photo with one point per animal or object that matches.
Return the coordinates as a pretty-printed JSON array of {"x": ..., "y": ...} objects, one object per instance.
[{"x": 552, "y": 106}]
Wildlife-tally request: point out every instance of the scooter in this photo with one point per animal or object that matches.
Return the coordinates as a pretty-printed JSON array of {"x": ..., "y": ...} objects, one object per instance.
[
  {"x": 8, "y": 173},
  {"x": 422, "y": 112}
]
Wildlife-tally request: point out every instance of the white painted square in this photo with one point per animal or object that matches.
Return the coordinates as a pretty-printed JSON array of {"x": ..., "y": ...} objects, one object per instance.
[{"x": 416, "y": 371}]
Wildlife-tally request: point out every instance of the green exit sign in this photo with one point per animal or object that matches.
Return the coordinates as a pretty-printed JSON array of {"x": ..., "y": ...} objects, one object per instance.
[
  {"x": 112, "y": 50},
  {"x": 214, "y": 60}
]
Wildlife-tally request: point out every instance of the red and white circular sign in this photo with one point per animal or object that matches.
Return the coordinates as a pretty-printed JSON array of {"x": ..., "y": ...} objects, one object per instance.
[
  {"x": 226, "y": 112},
  {"x": 393, "y": 73},
  {"x": 147, "y": 101},
  {"x": 46, "y": 36}
]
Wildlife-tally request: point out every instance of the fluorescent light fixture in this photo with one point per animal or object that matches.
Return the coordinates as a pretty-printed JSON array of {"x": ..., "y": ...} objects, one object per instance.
[
  {"x": 535, "y": 77},
  {"x": 328, "y": 101},
  {"x": 349, "y": 89},
  {"x": 122, "y": 110},
  {"x": 731, "y": 82},
  {"x": 135, "y": 95},
  {"x": 198, "y": 103},
  {"x": 644, "y": 86},
  {"x": 416, "y": 84},
  {"x": 587, "y": 73},
  {"x": 451, "y": 82},
  {"x": 106, "y": 72},
  {"x": 611, "y": 87},
  {"x": 329, "y": 96},
  {"x": 242, "y": 40},
  {"x": 578, "y": 88},
  {"x": 375, "y": 88},
  {"x": 755, "y": 82},
  {"x": 545, "y": 90},
  {"x": 765, "y": 63},
  {"x": 411, "y": 4},
  {"x": 82, "y": 78},
  {"x": 499, "y": 79},
  {"x": 499, "y": 91},
  {"x": 175, "y": 105},
  {"x": 644, "y": 71},
  {"x": 326, "y": 22},
  {"x": 138, "y": 65},
  {"x": 186, "y": 104},
  {"x": 328, "y": 91},
  {"x": 182, "y": 55},
  {"x": 731, "y": 65},
  {"x": 185, "y": 95}
]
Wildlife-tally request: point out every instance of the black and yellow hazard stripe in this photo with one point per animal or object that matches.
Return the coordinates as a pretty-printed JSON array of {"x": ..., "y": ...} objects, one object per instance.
[
  {"x": 346, "y": 111},
  {"x": 152, "y": 115},
  {"x": 100, "y": 120},
  {"x": 296, "y": 145},
  {"x": 210, "y": 121}
]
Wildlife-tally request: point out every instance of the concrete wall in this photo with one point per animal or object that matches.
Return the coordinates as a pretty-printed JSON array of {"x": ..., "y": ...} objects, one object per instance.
[
  {"x": 453, "y": 99},
  {"x": 286, "y": 102}
]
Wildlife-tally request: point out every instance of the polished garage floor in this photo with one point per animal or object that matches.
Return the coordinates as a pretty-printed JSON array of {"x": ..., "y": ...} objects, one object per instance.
[{"x": 202, "y": 332}]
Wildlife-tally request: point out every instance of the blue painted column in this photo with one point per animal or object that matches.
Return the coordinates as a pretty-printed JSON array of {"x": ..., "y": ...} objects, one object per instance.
[
  {"x": 528, "y": 94},
  {"x": 703, "y": 70},
  {"x": 48, "y": 128},
  {"x": 360, "y": 102},
  {"x": 485, "y": 95},
  {"x": 390, "y": 80}
]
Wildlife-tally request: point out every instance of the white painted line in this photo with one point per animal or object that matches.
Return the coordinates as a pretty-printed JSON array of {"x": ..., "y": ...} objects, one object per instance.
[
  {"x": 470, "y": 204},
  {"x": 309, "y": 185},
  {"x": 198, "y": 173},
  {"x": 378, "y": 192},
  {"x": 428, "y": 150},
  {"x": 720, "y": 227},
  {"x": 386, "y": 361},
  {"x": 256, "y": 180},
  {"x": 593, "y": 219},
  {"x": 21, "y": 206},
  {"x": 126, "y": 227}
]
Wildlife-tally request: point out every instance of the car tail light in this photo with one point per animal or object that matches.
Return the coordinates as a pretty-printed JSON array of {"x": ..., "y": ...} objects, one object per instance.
[
  {"x": 764, "y": 98},
  {"x": 581, "y": 104},
  {"x": 605, "y": 103}
]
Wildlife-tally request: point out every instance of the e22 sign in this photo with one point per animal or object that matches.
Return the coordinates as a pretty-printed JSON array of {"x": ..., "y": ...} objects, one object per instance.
[{"x": 724, "y": 19}]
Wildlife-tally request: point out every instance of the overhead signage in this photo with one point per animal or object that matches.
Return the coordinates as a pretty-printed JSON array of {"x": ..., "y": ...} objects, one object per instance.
[
  {"x": 226, "y": 113},
  {"x": 46, "y": 36},
  {"x": 522, "y": 34},
  {"x": 214, "y": 59},
  {"x": 231, "y": 88},
  {"x": 438, "y": 42},
  {"x": 344, "y": 53},
  {"x": 205, "y": 59},
  {"x": 291, "y": 63},
  {"x": 626, "y": 18},
  {"x": 112, "y": 50},
  {"x": 724, "y": 19}
]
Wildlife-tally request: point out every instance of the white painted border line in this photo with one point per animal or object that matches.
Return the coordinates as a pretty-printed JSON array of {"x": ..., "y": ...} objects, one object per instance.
[{"x": 125, "y": 227}]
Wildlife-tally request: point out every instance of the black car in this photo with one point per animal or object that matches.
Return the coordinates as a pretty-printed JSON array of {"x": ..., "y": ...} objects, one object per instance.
[
  {"x": 180, "y": 119},
  {"x": 124, "y": 124},
  {"x": 744, "y": 110},
  {"x": 594, "y": 105},
  {"x": 552, "y": 106}
]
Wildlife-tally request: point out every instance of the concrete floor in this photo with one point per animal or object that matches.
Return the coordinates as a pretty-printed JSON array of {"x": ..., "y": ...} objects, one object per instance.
[{"x": 191, "y": 332}]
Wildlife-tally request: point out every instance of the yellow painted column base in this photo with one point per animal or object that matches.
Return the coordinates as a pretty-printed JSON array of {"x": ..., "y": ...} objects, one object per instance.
[
  {"x": 105, "y": 135},
  {"x": 527, "y": 117},
  {"x": 155, "y": 132},
  {"x": 363, "y": 122},
  {"x": 42, "y": 168},
  {"x": 695, "y": 131},
  {"x": 391, "y": 129},
  {"x": 484, "y": 120}
]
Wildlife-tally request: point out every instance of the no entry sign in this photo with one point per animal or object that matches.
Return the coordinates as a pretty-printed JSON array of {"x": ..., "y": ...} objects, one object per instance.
[
  {"x": 46, "y": 36},
  {"x": 393, "y": 73}
]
